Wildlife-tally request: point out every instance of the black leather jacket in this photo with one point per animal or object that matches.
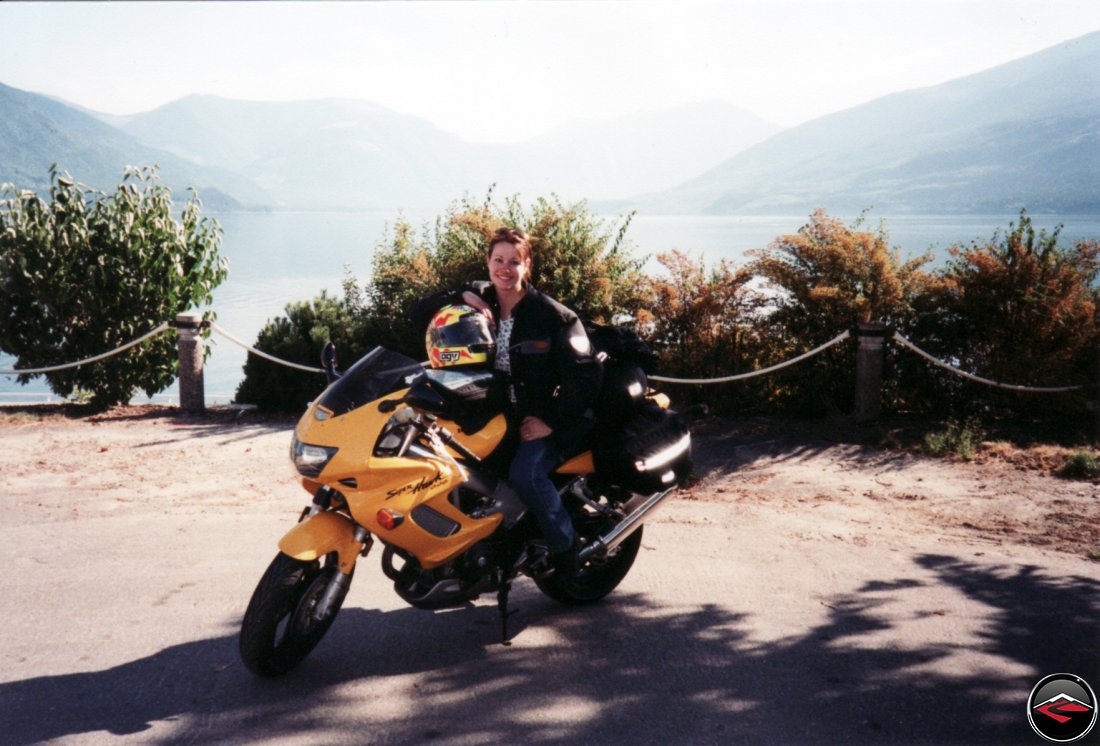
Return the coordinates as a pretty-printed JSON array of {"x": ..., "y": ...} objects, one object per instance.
[{"x": 555, "y": 372}]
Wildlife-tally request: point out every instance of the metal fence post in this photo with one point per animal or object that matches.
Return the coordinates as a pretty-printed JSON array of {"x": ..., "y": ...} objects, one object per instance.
[
  {"x": 191, "y": 353},
  {"x": 869, "y": 362}
]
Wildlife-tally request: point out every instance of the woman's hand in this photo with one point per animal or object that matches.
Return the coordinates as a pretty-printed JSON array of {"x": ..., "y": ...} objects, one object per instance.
[
  {"x": 474, "y": 301},
  {"x": 532, "y": 428}
]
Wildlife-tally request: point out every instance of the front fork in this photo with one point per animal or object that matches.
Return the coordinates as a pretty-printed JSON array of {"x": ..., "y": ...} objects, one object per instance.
[
  {"x": 320, "y": 532},
  {"x": 338, "y": 586}
]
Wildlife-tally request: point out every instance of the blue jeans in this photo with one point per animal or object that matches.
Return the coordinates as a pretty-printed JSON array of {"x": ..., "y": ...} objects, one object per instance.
[{"x": 530, "y": 475}]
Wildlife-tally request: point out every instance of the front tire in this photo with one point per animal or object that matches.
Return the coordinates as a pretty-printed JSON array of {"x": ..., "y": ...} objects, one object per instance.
[
  {"x": 278, "y": 630},
  {"x": 595, "y": 578}
]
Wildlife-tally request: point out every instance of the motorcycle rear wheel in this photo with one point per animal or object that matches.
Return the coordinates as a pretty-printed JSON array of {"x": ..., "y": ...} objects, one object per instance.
[
  {"x": 594, "y": 579},
  {"x": 278, "y": 630}
]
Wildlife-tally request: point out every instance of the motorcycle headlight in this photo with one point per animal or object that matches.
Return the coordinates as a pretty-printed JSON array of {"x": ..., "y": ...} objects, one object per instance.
[{"x": 308, "y": 459}]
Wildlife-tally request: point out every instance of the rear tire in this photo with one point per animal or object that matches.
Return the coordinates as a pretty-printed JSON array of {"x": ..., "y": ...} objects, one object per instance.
[
  {"x": 594, "y": 579},
  {"x": 278, "y": 629}
]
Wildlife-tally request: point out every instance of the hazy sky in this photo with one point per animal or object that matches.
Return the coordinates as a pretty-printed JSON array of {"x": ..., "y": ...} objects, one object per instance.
[{"x": 509, "y": 70}]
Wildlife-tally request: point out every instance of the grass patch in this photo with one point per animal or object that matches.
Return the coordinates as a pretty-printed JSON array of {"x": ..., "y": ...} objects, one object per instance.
[
  {"x": 1081, "y": 465},
  {"x": 959, "y": 439},
  {"x": 17, "y": 418}
]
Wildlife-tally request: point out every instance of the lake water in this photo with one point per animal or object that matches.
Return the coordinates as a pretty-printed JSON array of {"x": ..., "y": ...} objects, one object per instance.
[{"x": 279, "y": 258}]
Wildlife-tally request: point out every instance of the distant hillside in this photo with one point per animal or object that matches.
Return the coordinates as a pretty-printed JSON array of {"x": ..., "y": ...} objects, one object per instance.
[
  {"x": 336, "y": 154},
  {"x": 330, "y": 154},
  {"x": 36, "y": 131},
  {"x": 1025, "y": 134},
  {"x": 353, "y": 155},
  {"x": 615, "y": 158}
]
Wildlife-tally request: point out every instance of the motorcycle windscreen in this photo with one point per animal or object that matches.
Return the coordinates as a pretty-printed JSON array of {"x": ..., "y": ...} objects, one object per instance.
[{"x": 377, "y": 373}]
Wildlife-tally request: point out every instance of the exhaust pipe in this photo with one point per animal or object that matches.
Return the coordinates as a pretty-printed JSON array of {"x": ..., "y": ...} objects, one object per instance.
[{"x": 627, "y": 526}]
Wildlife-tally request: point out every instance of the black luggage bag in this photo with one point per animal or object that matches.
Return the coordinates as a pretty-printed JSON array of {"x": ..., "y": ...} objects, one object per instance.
[{"x": 647, "y": 451}]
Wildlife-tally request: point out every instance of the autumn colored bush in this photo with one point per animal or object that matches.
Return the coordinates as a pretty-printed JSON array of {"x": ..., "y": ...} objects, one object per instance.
[
  {"x": 580, "y": 259},
  {"x": 1021, "y": 309},
  {"x": 825, "y": 279},
  {"x": 706, "y": 324}
]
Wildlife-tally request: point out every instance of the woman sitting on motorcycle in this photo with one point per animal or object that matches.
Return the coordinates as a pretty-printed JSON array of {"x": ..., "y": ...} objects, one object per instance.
[{"x": 552, "y": 375}]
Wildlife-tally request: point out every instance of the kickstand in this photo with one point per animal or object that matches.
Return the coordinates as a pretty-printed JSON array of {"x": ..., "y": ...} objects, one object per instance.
[{"x": 502, "y": 605}]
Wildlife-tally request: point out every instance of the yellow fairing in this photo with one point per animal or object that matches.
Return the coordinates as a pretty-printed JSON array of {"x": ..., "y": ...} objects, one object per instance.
[
  {"x": 580, "y": 464},
  {"x": 661, "y": 400},
  {"x": 320, "y": 534},
  {"x": 414, "y": 489}
]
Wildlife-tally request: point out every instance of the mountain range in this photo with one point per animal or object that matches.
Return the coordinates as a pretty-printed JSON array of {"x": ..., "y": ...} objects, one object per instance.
[
  {"x": 1024, "y": 134},
  {"x": 36, "y": 131},
  {"x": 353, "y": 155}
]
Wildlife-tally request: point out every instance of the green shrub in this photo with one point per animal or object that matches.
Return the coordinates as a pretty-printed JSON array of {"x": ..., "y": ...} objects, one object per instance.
[
  {"x": 1081, "y": 465},
  {"x": 958, "y": 438},
  {"x": 86, "y": 272},
  {"x": 579, "y": 258},
  {"x": 298, "y": 337}
]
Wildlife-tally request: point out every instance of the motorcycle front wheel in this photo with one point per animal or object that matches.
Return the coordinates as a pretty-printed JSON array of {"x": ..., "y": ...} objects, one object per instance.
[{"x": 279, "y": 629}]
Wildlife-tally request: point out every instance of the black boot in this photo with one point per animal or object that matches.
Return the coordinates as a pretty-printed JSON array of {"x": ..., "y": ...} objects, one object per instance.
[
  {"x": 539, "y": 563},
  {"x": 566, "y": 563}
]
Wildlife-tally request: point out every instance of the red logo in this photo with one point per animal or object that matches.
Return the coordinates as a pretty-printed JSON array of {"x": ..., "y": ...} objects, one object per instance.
[{"x": 1062, "y": 708}]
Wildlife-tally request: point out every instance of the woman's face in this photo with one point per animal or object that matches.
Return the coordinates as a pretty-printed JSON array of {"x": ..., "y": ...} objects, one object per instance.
[{"x": 507, "y": 270}]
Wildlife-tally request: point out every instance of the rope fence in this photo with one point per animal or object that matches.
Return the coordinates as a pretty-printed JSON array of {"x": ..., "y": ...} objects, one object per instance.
[
  {"x": 978, "y": 379},
  {"x": 264, "y": 355},
  {"x": 761, "y": 372},
  {"x": 871, "y": 339},
  {"x": 88, "y": 360},
  {"x": 159, "y": 330}
]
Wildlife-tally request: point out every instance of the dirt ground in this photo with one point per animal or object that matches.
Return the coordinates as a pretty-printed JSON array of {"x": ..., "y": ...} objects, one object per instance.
[
  {"x": 1004, "y": 496},
  {"x": 802, "y": 566}
]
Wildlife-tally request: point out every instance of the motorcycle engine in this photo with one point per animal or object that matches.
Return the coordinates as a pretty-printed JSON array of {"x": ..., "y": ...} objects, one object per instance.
[{"x": 446, "y": 586}]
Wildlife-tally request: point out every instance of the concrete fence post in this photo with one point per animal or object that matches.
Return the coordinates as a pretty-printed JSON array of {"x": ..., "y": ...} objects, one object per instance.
[
  {"x": 191, "y": 353},
  {"x": 1093, "y": 404},
  {"x": 869, "y": 362}
]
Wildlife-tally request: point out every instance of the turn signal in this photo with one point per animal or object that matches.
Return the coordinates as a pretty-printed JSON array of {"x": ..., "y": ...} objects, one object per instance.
[{"x": 389, "y": 519}]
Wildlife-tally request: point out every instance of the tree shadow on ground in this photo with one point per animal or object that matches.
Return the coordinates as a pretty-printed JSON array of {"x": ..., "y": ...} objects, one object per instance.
[
  {"x": 627, "y": 670},
  {"x": 226, "y": 432},
  {"x": 721, "y": 455},
  {"x": 1049, "y": 622}
]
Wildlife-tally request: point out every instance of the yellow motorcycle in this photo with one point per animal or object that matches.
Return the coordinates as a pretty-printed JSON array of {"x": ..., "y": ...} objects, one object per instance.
[{"x": 412, "y": 458}]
